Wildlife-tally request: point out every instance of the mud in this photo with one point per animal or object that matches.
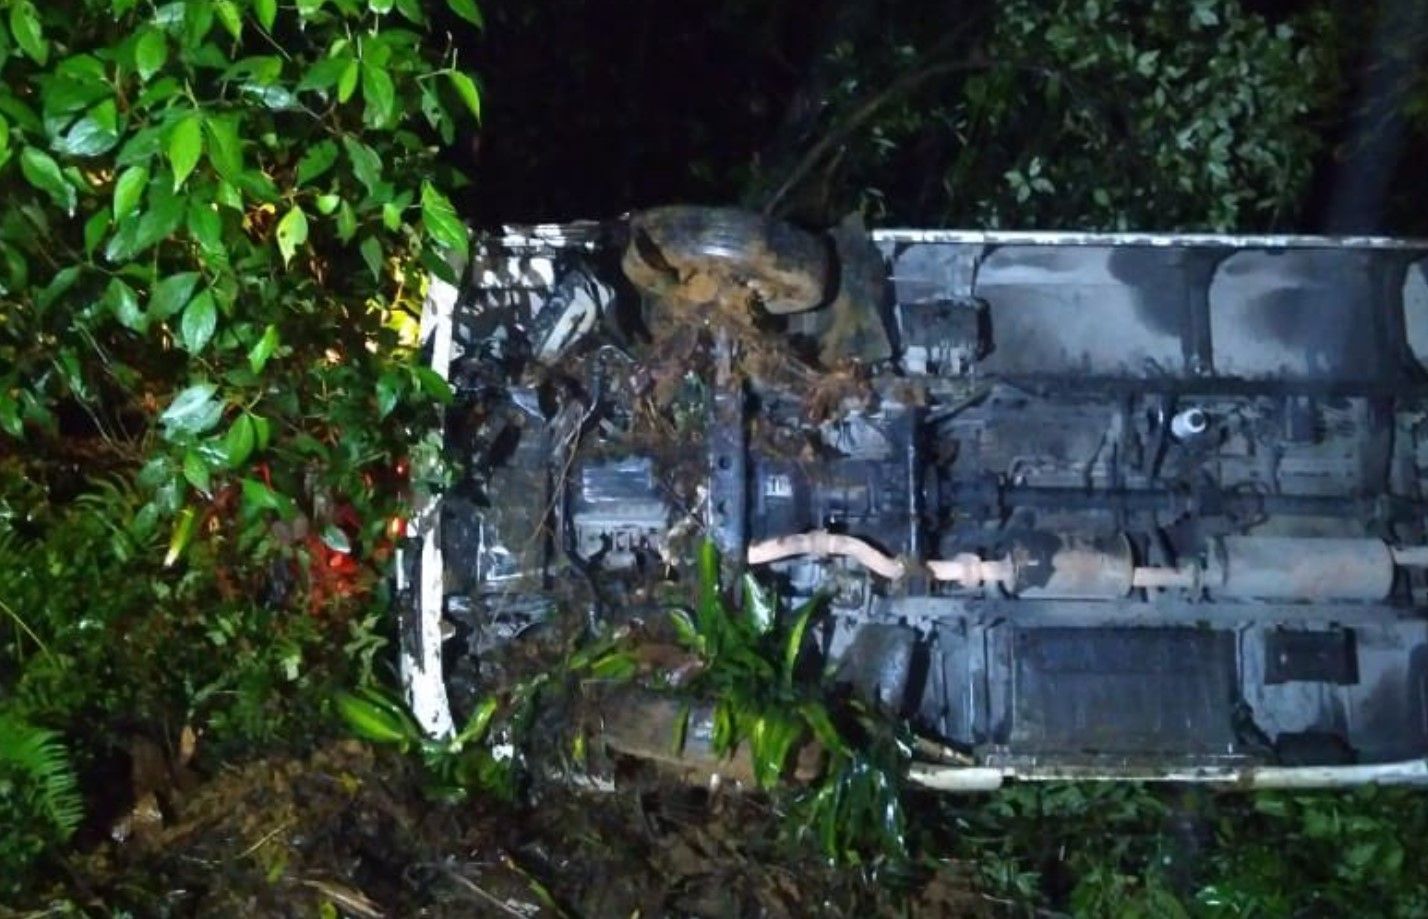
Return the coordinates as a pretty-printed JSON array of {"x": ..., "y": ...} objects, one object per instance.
[{"x": 347, "y": 831}]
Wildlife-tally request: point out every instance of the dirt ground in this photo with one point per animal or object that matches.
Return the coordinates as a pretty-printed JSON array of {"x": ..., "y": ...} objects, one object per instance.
[{"x": 351, "y": 832}]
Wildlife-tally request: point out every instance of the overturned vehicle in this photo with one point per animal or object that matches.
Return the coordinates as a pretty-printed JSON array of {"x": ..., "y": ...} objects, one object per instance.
[{"x": 1082, "y": 505}]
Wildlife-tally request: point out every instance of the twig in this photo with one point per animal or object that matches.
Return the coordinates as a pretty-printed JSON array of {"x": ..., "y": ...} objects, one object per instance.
[
  {"x": 862, "y": 113},
  {"x": 489, "y": 898}
]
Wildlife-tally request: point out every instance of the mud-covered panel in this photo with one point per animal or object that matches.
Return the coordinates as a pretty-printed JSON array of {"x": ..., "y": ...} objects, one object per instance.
[
  {"x": 1124, "y": 691},
  {"x": 1374, "y": 703},
  {"x": 1309, "y": 313},
  {"x": 1095, "y": 310}
]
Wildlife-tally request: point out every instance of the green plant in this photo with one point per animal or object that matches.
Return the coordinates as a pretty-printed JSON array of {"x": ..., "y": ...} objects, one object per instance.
[
  {"x": 1081, "y": 114},
  {"x": 852, "y": 811},
  {"x": 458, "y": 764},
  {"x": 216, "y": 222},
  {"x": 39, "y": 796}
]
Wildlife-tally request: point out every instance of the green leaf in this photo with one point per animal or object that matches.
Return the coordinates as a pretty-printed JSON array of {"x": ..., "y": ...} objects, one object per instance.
[
  {"x": 292, "y": 233},
  {"x": 206, "y": 227},
  {"x": 468, "y": 10},
  {"x": 182, "y": 535},
  {"x": 94, "y": 229},
  {"x": 335, "y": 539},
  {"x": 29, "y": 35},
  {"x": 239, "y": 441},
  {"x": 266, "y": 11},
  {"x": 225, "y": 150},
  {"x": 193, "y": 411},
  {"x": 381, "y": 7},
  {"x": 121, "y": 300},
  {"x": 389, "y": 390},
  {"x": 172, "y": 294},
  {"x": 41, "y": 171},
  {"x": 200, "y": 319},
  {"x": 195, "y": 470},
  {"x": 95, "y": 133},
  {"x": 129, "y": 190},
  {"x": 346, "y": 222},
  {"x": 433, "y": 384},
  {"x": 466, "y": 88},
  {"x": 317, "y": 160},
  {"x": 380, "y": 94},
  {"x": 10, "y": 420},
  {"x": 258, "y": 496},
  {"x": 347, "y": 83},
  {"x": 474, "y": 731},
  {"x": 185, "y": 146},
  {"x": 793, "y": 644},
  {"x": 371, "y": 251},
  {"x": 263, "y": 349},
  {"x": 151, "y": 52},
  {"x": 373, "y": 722},
  {"x": 440, "y": 219},
  {"x": 758, "y": 605},
  {"x": 366, "y": 164},
  {"x": 229, "y": 17}
]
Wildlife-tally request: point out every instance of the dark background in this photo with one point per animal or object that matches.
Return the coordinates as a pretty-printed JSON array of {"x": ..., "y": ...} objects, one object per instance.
[{"x": 596, "y": 107}]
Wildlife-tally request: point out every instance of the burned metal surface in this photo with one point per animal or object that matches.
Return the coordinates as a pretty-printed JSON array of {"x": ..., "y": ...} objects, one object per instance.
[{"x": 1155, "y": 504}]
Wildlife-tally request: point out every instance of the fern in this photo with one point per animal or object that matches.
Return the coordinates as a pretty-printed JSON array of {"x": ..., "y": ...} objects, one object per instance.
[{"x": 35, "y": 768}]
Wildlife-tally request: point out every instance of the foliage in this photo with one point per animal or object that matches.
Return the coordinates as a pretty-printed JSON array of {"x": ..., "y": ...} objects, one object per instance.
[
  {"x": 853, "y": 810},
  {"x": 1181, "y": 116},
  {"x": 1144, "y": 850},
  {"x": 215, "y": 221},
  {"x": 39, "y": 796},
  {"x": 1320, "y": 853},
  {"x": 456, "y": 765}
]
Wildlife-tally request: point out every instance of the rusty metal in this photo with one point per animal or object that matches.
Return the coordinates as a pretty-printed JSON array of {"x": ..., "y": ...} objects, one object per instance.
[
  {"x": 1300, "y": 568},
  {"x": 1073, "y": 566}
]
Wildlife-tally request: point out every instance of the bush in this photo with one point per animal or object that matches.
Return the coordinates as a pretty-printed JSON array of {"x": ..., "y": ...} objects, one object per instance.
[{"x": 216, "y": 217}]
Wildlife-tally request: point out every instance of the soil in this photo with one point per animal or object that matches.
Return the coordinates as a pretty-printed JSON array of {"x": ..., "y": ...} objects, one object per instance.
[{"x": 349, "y": 831}]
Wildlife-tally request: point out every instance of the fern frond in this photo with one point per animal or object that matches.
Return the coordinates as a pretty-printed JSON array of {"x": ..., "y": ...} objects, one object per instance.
[{"x": 38, "y": 755}]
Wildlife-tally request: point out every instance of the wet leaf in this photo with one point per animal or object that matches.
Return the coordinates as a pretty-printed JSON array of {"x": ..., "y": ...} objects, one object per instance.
[
  {"x": 758, "y": 605},
  {"x": 200, "y": 319},
  {"x": 129, "y": 190},
  {"x": 193, "y": 411},
  {"x": 266, "y": 11},
  {"x": 335, "y": 539},
  {"x": 123, "y": 302}
]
